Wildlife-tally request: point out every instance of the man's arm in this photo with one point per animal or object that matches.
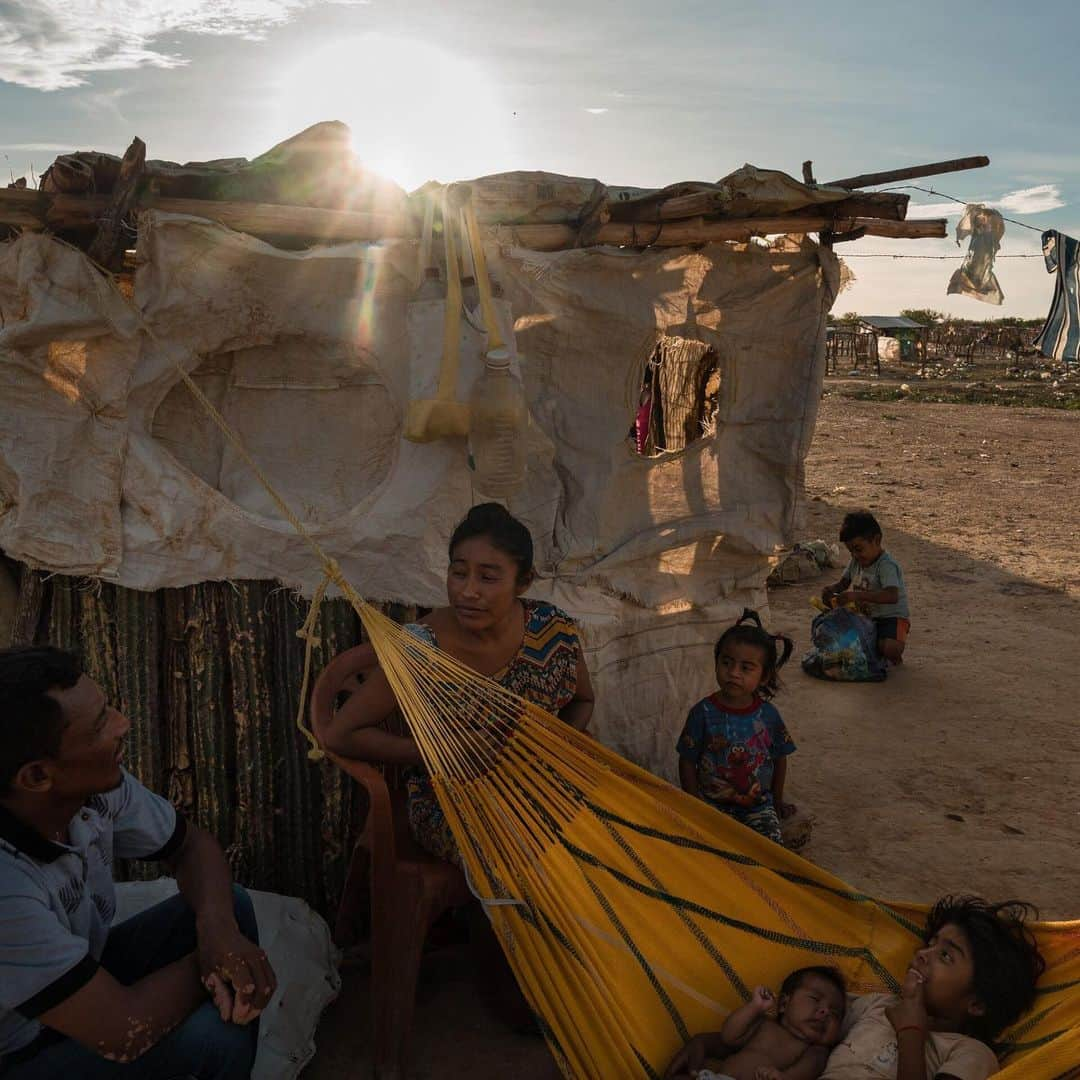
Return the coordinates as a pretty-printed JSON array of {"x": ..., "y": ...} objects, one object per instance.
[
  {"x": 122, "y": 1022},
  {"x": 205, "y": 882}
]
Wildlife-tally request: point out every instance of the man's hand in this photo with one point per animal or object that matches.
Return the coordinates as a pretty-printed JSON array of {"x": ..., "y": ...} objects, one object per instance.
[
  {"x": 235, "y": 971},
  {"x": 763, "y": 999},
  {"x": 909, "y": 1010},
  {"x": 767, "y": 1072}
]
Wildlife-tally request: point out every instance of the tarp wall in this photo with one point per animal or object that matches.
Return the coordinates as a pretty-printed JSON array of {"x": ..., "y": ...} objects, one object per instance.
[{"x": 109, "y": 468}]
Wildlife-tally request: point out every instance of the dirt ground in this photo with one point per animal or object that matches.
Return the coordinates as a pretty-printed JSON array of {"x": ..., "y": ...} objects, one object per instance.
[{"x": 957, "y": 773}]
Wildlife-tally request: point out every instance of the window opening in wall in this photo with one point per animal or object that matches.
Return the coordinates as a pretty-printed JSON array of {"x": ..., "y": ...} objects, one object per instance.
[{"x": 678, "y": 399}]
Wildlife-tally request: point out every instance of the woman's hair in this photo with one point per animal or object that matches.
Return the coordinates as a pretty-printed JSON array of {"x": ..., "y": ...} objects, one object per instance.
[
  {"x": 1006, "y": 962},
  {"x": 495, "y": 523},
  {"x": 747, "y": 630}
]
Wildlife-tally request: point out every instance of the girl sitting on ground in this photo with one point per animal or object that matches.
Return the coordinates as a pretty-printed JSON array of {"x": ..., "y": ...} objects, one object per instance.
[{"x": 733, "y": 748}]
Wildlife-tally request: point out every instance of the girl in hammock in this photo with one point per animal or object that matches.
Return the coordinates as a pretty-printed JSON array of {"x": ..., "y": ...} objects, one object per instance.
[
  {"x": 973, "y": 976},
  {"x": 733, "y": 748}
]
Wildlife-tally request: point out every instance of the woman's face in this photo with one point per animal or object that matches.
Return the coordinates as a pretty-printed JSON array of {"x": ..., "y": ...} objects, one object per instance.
[{"x": 482, "y": 583}]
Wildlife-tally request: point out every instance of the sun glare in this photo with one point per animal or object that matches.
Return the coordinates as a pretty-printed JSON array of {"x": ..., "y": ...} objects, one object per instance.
[{"x": 417, "y": 112}]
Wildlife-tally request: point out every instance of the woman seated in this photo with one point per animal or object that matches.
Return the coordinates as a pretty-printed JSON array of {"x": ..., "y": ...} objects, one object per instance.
[{"x": 529, "y": 646}]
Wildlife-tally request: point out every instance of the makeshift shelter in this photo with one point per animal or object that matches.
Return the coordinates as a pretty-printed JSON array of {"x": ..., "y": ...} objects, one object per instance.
[
  {"x": 296, "y": 319},
  {"x": 905, "y": 339}
]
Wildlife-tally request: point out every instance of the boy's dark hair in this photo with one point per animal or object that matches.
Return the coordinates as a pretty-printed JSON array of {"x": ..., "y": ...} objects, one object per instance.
[
  {"x": 831, "y": 974},
  {"x": 747, "y": 630},
  {"x": 32, "y": 722},
  {"x": 1005, "y": 959},
  {"x": 859, "y": 524},
  {"x": 506, "y": 533}
]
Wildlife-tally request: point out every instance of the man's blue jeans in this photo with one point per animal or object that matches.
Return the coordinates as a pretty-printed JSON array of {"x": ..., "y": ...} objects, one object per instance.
[{"x": 203, "y": 1047}]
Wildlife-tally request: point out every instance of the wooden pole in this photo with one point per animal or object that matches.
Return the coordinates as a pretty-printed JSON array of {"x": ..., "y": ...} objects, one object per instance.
[
  {"x": 808, "y": 173},
  {"x": 107, "y": 248},
  {"x": 913, "y": 172}
]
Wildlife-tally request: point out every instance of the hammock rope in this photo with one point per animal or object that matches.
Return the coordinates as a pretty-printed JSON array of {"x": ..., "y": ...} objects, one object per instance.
[{"x": 632, "y": 914}]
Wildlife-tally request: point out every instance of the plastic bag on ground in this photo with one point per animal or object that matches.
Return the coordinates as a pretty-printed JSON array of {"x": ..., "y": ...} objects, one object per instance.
[{"x": 844, "y": 648}]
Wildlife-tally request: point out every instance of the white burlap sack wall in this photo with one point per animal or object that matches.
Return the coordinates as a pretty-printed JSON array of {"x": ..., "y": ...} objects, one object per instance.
[{"x": 108, "y": 466}]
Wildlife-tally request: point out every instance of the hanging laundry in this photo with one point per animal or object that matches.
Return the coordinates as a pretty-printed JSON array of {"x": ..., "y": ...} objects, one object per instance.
[
  {"x": 975, "y": 277},
  {"x": 1059, "y": 338},
  {"x": 641, "y": 421}
]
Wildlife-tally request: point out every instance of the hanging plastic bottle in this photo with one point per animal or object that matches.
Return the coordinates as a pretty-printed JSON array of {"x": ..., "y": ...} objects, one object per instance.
[{"x": 497, "y": 430}]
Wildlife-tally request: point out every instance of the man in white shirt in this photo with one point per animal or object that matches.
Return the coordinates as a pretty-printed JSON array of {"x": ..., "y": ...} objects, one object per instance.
[{"x": 170, "y": 992}]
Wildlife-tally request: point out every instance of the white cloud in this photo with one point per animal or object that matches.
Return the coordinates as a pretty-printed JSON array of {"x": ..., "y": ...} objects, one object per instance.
[
  {"x": 597, "y": 111},
  {"x": 921, "y": 211},
  {"x": 55, "y": 44},
  {"x": 38, "y": 147},
  {"x": 1033, "y": 200}
]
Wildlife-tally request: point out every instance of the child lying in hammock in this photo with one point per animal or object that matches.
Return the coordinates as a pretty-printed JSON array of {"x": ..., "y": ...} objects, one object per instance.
[
  {"x": 752, "y": 1045},
  {"x": 974, "y": 976}
]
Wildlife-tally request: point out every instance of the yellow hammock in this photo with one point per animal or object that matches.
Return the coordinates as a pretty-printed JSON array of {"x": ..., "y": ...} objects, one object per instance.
[
  {"x": 632, "y": 914},
  {"x": 641, "y": 915}
]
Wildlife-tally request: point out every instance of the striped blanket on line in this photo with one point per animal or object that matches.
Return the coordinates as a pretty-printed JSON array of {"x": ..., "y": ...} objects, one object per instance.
[{"x": 1059, "y": 338}]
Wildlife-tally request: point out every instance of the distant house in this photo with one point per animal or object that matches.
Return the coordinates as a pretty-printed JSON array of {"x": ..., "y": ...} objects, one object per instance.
[{"x": 912, "y": 335}]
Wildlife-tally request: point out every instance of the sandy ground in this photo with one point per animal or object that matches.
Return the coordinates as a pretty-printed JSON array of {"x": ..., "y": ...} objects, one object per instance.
[
  {"x": 981, "y": 506},
  {"x": 957, "y": 773}
]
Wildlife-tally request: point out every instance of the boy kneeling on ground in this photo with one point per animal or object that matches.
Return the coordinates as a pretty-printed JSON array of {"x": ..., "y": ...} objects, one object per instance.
[{"x": 874, "y": 582}]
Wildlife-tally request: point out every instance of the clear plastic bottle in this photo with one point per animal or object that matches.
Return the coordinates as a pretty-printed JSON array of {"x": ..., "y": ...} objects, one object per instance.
[
  {"x": 498, "y": 422},
  {"x": 432, "y": 287}
]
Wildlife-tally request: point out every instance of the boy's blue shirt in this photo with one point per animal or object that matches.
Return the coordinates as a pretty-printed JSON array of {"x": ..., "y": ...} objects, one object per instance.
[{"x": 883, "y": 573}]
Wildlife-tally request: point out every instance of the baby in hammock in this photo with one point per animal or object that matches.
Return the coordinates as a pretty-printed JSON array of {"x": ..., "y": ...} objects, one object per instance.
[{"x": 752, "y": 1045}]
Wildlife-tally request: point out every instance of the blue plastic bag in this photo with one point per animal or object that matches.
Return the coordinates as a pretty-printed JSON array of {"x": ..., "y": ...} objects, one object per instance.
[{"x": 844, "y": 648}]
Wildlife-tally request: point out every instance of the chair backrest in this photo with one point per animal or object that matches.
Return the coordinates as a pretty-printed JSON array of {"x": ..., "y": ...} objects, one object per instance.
[{"x": 380, "y": 823}]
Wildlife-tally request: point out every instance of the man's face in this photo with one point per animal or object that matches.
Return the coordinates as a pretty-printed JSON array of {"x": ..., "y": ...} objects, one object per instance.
[{"x": 92, "y": 744}]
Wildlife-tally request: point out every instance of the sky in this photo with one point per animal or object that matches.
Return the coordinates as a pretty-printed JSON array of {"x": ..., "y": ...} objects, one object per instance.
[{"x": 631, "y": 93}]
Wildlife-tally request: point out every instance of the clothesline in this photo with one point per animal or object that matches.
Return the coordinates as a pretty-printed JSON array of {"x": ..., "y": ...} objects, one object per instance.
[
  {"x": 889, "y": 255},
  {"x": 964, "y": 202}
]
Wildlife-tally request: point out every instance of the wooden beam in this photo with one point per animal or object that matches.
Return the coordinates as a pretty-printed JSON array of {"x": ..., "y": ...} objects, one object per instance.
[
  {"x": 22, "y": 208},
  {"x": 72, "y": 212},
  {"x": 271, "y": 219},
  {"x": 928, "y": 229},
  {"x": 107, "y": 248},
  {"x": 913, "y": 172},
  {"x": 680, "y": 233}
]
